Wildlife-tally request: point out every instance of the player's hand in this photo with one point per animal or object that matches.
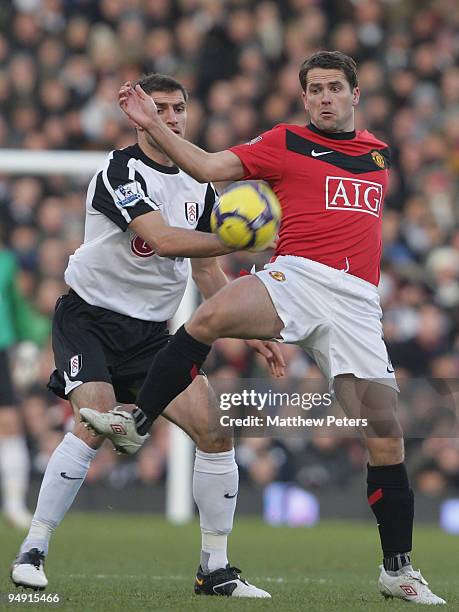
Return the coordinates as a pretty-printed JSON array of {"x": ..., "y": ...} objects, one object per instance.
[
  {"x": 271, "y": 351},
  {"x": 137, "y": 105}
]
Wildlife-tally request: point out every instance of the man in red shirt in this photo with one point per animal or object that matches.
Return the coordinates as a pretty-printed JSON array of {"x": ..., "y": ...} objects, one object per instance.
[{"x": 319, "y": 291}]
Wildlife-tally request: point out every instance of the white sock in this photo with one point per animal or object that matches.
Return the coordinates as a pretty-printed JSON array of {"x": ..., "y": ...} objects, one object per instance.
[
  {"x": 64, "y": 475},
  {"x": 215, "y": 475},
  {"x": 14, "y": 473}
]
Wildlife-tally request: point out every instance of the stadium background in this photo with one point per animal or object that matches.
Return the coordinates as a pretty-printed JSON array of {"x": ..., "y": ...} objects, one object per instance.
[{"x": 61, "y": 64}]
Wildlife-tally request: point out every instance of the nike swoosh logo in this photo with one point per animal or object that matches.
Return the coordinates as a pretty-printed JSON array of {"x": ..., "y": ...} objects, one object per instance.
[
  {"x": 320, "y": 153},
  {"x": 64, "y": 475},
  {"x": 200, "y": 581},
  {"x": 228, "y": 496},
  {"x": 390, "y": 371}
]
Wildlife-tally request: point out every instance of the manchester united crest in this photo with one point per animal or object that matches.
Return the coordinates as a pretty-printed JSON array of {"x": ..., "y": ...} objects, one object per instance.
[
  {"x": 278, "y": 276},
  {"x": 378, "y": 159}
]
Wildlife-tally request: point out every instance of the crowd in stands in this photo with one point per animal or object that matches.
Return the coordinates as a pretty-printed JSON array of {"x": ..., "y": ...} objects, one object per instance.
[{"x": 61, "y": 64}]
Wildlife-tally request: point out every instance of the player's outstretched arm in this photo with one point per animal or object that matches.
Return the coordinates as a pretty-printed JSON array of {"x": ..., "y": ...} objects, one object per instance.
[
  {"x": 168, "y": 241},
  {"x": 203, "y": 166}
]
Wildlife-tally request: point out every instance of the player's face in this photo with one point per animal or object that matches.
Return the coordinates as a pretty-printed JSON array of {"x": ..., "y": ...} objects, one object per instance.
[
  {"x": 172, "y": 111},
  {"x": 330, "y": 100}
]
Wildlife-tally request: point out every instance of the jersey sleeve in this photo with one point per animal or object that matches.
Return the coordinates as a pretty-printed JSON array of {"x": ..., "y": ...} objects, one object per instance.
[
  {"x": 209, "y": 201},
  {"x": 121, "y": 191},
  {"x": 263, "y": 157}
]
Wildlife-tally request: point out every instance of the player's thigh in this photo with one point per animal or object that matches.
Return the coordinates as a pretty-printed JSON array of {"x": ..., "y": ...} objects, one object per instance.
[
  {"x": 242, "y": 309},
  {"x": 195, "y": 411},
  {"x": 82, "y": 374},
  {"x": 79, "y": 353},
  {"x": 130, "y": 368}
]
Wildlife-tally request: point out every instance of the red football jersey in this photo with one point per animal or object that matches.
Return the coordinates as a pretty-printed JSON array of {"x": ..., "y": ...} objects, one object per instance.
[{"x": 331, "y": 188}]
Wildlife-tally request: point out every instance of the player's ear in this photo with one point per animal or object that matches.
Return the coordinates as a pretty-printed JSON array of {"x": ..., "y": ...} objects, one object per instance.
[{"x": 355, "y": 96}]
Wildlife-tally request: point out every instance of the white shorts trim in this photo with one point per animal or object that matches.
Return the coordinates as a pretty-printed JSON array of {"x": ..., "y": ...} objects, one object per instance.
[
  {"x": 334, "y": 316},
  {"x": 70, "y": 385}
]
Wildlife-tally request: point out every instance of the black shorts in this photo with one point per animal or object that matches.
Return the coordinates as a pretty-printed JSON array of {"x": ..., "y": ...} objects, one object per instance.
[
  {"x": 7, "y": 396},
  {"x": 93, "y": 344}
]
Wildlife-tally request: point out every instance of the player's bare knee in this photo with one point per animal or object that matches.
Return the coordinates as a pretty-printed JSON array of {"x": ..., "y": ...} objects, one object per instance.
[
  {"x": 204, "y": 325},
  {"x": 96, "y": 395}
]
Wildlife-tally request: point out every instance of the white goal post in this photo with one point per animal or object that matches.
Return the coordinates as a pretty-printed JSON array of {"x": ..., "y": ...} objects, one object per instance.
[{"x": 83, "y": 164}]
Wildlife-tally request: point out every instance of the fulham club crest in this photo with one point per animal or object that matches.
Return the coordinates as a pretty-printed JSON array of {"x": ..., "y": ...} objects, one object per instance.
[
  {"x": 75, "y": 364},
  {"x": 191, "y": 212}
]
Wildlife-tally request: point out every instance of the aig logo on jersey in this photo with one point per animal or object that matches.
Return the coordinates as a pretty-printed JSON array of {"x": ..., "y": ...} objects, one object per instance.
[
  {"x": 353, "y": 195},
  {"x": 191, "y": 212},
  {"x": 127, "y": 195}
]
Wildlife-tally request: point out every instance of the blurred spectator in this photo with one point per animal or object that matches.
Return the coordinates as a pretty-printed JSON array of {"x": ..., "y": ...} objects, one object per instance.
[{"x": 18, "y": 322}]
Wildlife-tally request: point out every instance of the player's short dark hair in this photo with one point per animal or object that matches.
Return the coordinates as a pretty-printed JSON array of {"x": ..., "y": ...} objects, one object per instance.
[
  {"x": 161, "y": 82},
  {"x": 330, "y": 60}
]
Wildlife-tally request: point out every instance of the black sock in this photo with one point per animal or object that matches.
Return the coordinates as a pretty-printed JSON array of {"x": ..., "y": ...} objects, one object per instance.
[
  {"x": 392, "y": 502},
  {"x": 173, "y": 369}
]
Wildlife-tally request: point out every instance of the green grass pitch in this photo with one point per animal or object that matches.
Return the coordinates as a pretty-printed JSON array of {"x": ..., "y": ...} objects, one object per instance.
[{"x": 113, "y": 562}]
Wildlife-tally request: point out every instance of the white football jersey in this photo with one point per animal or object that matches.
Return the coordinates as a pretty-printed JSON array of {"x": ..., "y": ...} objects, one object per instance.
[{"x": 114, "y": 268}]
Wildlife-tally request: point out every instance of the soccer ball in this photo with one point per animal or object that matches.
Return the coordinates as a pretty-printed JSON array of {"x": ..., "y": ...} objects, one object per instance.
[{"x": 246, "y": 216}]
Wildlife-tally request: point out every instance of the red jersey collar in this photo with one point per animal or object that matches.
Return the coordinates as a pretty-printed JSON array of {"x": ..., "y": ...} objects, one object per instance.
[{"x": 332, "y": 135}]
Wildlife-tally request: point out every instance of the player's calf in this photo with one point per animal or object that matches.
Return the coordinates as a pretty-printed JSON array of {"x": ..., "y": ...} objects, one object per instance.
[
  {"x": 385, "y": 451},
  {"x": 207, "y": 433},
  {"x": 87, "y": 436}
]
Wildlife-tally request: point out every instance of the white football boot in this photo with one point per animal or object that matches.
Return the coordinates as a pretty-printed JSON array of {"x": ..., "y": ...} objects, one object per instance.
[
  {"x": 226, "y": 581},
  {"x": 409, "y": 585},
  {"x": 117, "y": 425},
  {"x": 28, "y": 570}
]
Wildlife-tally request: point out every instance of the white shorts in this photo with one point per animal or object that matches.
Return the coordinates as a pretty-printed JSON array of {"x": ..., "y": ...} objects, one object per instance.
[{"x": 334, "y": 316}]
